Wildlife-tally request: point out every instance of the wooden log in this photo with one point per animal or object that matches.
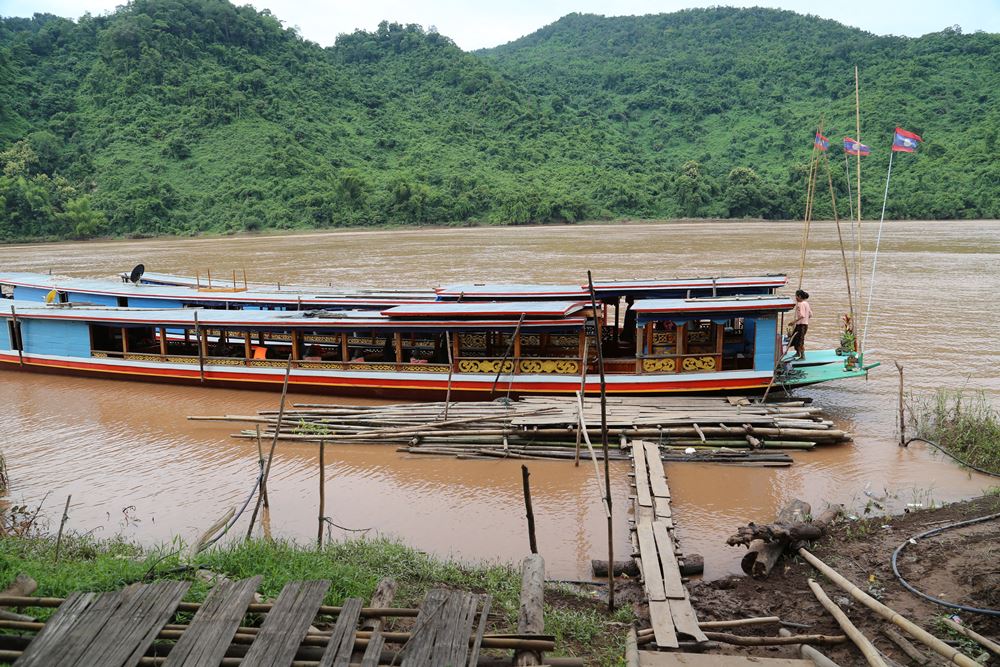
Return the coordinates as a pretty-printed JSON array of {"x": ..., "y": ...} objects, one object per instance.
[
  {"x": 382, "y": 597},
  {"x": 22, "y": 586},
  {"x": 953, "y": 655},
  {"x": 762, "y": 556},
  {"x": 691, "y": 564},
  {"x": 863, "y": 643},
  {"x": 808, "y": 652},
  {"x": 905, "y": 646},
  {"x": 788, "y": 532},
  {"x": 622, "y": 567},
  {"x": 739, "y": 622},
  {"x": 738, "y": 640},
  {"x": 530, "y": 618}
]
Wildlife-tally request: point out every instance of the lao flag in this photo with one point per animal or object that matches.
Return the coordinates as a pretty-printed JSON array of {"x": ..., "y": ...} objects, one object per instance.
[
  {"x": 822, "y": 142},
  {"x": 905, "y": 142},
  {"x": 852, "y": 147}
]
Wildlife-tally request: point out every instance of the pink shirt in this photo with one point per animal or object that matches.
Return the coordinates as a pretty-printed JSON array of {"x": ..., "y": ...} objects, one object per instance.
[{"x": 803, "y": 311}]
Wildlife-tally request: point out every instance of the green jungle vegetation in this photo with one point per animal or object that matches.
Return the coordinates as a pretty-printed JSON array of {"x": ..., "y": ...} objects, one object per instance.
[{"x": 197, "y": 116}]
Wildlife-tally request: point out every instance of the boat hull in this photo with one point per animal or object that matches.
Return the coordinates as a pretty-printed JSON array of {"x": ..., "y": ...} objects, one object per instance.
[{"x": 407, "y": 385}]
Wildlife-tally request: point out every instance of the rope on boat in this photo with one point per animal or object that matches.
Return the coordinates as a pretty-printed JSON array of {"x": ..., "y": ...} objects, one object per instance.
[
  {"x": 878, "y": 239},
  {"x": 929, "y": 533}
]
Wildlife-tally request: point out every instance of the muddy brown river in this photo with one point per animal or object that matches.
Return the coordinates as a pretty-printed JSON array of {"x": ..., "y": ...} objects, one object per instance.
[{"x": 136, "y": 467}]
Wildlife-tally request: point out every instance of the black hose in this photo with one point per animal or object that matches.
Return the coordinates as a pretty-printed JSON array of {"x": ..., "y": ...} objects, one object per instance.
[
  {"x": 964, "y": 463},
  {"x": 935, "y": 531}
]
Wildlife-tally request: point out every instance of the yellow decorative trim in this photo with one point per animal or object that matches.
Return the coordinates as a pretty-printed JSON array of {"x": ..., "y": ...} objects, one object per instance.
[
  {"x": 698, "y": 364},
  {"x": 99, "y": 355},
  {"x": 485, "y": 366},
  {"x": 558, "y": 366},
  {"x": 699, "y": 336},
  {"x": 659, "y": 365},
  {"x": 531, "y": 340},
  {"x": 565, "y": 341}
]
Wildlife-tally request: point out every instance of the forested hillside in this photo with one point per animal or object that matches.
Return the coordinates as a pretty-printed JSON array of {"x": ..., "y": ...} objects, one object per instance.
[{"x": 186, "y": 116}]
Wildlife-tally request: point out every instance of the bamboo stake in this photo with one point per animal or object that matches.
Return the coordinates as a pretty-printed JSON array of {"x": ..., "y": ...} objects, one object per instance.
[
  {"x": 864, "y": 645},
  {"x": 604, "y": 441},
  {"x": 902, "y": 420},
  {"x": 808, "y": 652},
  {"x": 510, "y": 346},
  {"x": 62, "y": 522},
  {"x": 274, "y": 443},
  {"x": 739, "y": 640},
  {"x": 942, "y": 649},
  {"x": 527, "y": 506},
  {"x": 260, "y": 460},
  {"x": 451, "y": 370},
  {"x": 322, "y": 495}
]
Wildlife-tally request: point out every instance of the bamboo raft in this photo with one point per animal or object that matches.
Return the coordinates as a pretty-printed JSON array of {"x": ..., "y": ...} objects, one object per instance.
[{"x": 700, "y": 429}]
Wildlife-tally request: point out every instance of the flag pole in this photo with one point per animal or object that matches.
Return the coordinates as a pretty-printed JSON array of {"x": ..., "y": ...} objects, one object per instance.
[
  {"x": 857, "y": 131},
  {"x": 810, "y": 198},
  {"x": 840, "y": 236},
  {"x": 854, "y": 252},
  {"x": 878, "y": 239}
]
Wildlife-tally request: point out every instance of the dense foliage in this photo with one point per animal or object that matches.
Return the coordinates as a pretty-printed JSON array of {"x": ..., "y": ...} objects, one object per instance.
[{"x": 187, "y": 116}]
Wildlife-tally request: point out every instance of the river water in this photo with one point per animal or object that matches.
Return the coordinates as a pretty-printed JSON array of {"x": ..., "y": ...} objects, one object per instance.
[{"x": 135, "y": 466}]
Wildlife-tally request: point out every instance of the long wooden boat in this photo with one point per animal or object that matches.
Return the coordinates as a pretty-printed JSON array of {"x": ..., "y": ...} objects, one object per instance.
[{"x": 421, "y": 349}]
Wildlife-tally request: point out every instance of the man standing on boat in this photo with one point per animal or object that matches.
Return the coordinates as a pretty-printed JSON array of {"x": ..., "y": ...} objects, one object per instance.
[{"x": 803, "y": 311}]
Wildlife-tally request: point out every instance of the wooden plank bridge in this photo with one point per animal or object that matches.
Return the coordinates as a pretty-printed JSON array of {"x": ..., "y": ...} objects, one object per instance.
[
  {"x": 656, "y": 551},
  {"x": 131, "y": 627}
]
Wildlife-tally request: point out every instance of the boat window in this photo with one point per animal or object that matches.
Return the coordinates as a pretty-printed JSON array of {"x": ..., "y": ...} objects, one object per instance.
[{"x": 15, "y": 336}]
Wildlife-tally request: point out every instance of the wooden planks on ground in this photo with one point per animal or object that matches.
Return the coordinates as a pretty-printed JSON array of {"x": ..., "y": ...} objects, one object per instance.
[
  {"x": 285, "y": 626},
  {"x": 204, "y": 643},
  {"x": 112, "y": 629},
  {"x": 341, "y": 644},
  {"x": 441, "y": 635},
  {"x": 642, "y": 490}
]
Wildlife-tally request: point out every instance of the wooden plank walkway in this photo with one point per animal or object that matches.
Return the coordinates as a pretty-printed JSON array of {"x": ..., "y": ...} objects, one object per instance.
[
  {"x": 118, "y": 628},
  {"x": 652, "y": 659},
  {"x": 653, "y": 541},
  {"x": 112, "y": 629}
]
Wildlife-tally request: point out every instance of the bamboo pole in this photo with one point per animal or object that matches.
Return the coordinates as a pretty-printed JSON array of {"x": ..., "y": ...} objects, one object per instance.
[
  {"x": 583, "y": 392},
  {"x": 506, "y": 354},
  {"x": 863, "y": 643},
  {"x": 808, "y": 652},
  {"x": 451, "y": 371},
  {"x": 260, "y": 459},
  {"x": 840, "y": 238},
  {"x": 989, "y": 644},
  {"x": 201, "y": 349},
  {"x": 322, "y": 494},
  {"x": 274, "y": 443},
  {"x": 857, "y": 134},
  {"x": 915, "y": 631},
  {"x": 604, "y": 441}
]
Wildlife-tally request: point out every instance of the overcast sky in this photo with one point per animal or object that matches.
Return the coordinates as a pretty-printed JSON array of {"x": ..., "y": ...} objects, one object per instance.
[{"x": 473, "y": 24}]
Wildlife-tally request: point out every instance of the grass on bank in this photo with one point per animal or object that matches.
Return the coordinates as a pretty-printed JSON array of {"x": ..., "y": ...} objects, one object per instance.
[
  {"x": 354, "y": 567},
  {"x": 964, "y": 423}
]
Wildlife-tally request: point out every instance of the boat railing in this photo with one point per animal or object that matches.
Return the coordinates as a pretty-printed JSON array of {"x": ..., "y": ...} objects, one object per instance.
[{"x": 700, "y": 362}]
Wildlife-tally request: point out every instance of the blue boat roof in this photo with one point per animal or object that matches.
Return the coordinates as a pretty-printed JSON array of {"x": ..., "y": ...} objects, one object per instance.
[
  {"x": 727, "y": 305},
  {"x": 503, "y": 309},
  {"x": 608, "y": 288},
  {"x": 353, "y": 320}
]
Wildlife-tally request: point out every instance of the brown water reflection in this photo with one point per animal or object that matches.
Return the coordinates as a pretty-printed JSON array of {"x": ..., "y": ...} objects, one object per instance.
[{"x": 115, "y": 445}]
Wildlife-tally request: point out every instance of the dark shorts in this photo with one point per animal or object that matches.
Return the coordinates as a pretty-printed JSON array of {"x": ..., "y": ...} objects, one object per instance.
[{"x": 799, "y": 335}]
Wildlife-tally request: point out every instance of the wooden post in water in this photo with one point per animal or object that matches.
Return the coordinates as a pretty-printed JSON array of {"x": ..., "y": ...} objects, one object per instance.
[
  {"x": 527, "y": 506},
  {"x": 260, "y": 459},
  {"x": 902, "y": 418},
  {"x": 604, "y": 443},
  {"x": 19, "y": 343},
  {"x": 322, "y": 493},
  {"x": 583, "y": 392},
  {"x": 201, "y": 349},
  {"x": 274, "y": 443},
  {"x": 62, "y": 522}
]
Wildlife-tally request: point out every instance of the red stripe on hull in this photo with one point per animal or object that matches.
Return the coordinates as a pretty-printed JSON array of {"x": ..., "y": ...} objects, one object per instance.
[{"x": 369, "y": 387}]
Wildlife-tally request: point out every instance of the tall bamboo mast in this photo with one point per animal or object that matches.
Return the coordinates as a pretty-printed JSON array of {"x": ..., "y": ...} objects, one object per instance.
[{"x": 857, "y": 131}]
